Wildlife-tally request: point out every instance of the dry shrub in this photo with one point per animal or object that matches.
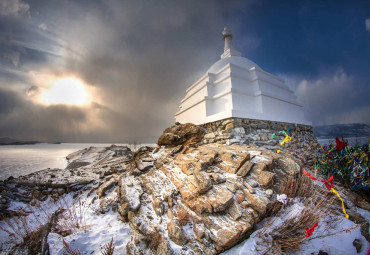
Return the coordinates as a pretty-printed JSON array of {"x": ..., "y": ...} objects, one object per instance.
[
  {"x": 68, "y": 250},
  {"x": 291, "y": 233},
  {"x": 18, "y": 227},
  {"x": 108, "y": 248},
  {"x": 297, "y": 185},
  {"x": 73, "y": 218},
  {"x": 32, "y": 241},
  {"x": 153, "y": 241},
  {"x": 22, "y": 234},
  {"x": 183, "y": 215},
  {"x": 27, "y": 236}
]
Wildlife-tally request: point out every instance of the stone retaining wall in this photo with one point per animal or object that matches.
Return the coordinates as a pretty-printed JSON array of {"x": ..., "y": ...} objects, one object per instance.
[{"x": 259, "y": 132}]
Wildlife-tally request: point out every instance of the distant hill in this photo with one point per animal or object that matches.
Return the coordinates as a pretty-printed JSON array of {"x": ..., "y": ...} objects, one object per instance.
[
  {"x": 345, "y": 130},
  {"x": 11, "y": 141}
]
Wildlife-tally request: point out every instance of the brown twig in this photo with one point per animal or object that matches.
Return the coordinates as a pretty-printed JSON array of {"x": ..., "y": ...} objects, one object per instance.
[
  {"x": 69, "y": 250},
  {"x": 108, "y": 248}
]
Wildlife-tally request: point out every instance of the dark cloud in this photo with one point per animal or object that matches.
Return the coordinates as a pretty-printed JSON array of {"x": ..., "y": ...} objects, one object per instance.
[
  {"x": 33, "y": 91},
  {"x": 23, "y": 119},
  {"x": 8, "y": 102},
  {"x": 13, "y": 8},
  {"x": 139, "y": 57}
]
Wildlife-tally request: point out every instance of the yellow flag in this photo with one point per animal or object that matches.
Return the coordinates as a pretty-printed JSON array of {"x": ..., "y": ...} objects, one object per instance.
[
  {"x": 286, "y": 139},
  {"x": 344, "y": 210}
]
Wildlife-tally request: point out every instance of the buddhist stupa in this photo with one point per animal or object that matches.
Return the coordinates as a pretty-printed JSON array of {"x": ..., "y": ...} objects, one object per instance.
[{"x": 236, "y": 87}]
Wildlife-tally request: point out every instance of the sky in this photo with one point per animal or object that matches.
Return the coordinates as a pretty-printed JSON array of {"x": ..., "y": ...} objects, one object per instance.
[{"x": 115, "y": 71}]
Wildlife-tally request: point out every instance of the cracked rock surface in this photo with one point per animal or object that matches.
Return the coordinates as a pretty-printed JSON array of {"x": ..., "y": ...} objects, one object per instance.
[{"x": 204, "y": 199}]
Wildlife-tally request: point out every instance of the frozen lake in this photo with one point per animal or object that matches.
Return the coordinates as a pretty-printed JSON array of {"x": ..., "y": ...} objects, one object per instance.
[{"x": 16, "y": 160}]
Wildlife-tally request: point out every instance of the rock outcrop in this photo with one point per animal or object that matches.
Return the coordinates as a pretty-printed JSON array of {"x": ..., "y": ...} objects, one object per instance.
[
  {"x": 181, "y": 197},
  {"x": 204, "y": 198},
  {"x": 89, "y": 169},
  {"x": 181, "y": 135}
]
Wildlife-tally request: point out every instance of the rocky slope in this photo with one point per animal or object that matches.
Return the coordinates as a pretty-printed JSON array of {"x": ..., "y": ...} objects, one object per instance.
[
  {"x": 205, "y": 199},
  {"x": 182, "y": 197}
]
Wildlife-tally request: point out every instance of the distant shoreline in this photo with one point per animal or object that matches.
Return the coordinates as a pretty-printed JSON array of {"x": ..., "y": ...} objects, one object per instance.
[
  {"x": 20, "y": 143},
  {"x": 333, "y": 138}
]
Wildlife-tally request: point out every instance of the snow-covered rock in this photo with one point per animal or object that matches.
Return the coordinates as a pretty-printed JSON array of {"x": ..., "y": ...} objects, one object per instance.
[{"x": 187, "y": 199}]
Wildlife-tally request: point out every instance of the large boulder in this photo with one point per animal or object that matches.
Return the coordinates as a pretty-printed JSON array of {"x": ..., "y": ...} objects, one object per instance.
[{"x": 182, "y": 134}]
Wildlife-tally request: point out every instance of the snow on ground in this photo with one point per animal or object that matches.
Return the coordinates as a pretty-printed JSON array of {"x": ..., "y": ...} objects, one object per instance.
[
  {"x": 91, "y": 154},
  {"x": 334, "y": 235},
  {"x": 338, "y": 241},
  {"x": 37, "y": 216},
  {"x": 364, "y": 213},
  {"x": 99, "y": 231}
]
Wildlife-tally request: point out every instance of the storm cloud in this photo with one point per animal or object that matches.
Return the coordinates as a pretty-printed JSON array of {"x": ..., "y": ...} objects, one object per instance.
[{"x": 138, "y": 58}]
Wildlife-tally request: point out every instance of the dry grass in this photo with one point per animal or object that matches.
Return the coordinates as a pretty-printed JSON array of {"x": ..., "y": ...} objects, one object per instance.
[
  {"x": 291, "y": 233},
  {"x": 73, "y": 219},
  {"x": 68, "y": 250},
  {"x": 17, "y": 227},
  {"x": 26, "y": 235},
  {"x": 183, "y": 215},
  {"x": 26, "y": 227},
  {"x": 297, "y": 185},
  {"x": 108, "y": 248},
  {"x": 153, "y": 241}
]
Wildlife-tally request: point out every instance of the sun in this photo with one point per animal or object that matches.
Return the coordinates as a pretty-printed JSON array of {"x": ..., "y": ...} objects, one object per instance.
[{"x": 67, "y": 91}]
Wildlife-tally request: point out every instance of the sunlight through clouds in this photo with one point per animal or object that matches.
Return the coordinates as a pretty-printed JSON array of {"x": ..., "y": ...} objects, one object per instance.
[{"x": 68, "y": 91}]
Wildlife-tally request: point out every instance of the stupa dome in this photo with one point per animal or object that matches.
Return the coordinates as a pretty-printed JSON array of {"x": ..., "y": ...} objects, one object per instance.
[{"x": 234, "y": 60}]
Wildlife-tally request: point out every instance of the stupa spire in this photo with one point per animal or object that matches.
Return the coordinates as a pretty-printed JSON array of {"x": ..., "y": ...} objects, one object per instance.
[{"x": 229, "y": 50}]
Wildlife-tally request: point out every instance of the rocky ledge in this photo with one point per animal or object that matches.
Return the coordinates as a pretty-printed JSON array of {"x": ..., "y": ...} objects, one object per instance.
[{"x": 180, "y": 197}]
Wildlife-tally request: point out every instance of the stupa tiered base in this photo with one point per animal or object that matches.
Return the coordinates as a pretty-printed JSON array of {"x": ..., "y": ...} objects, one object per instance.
[{"x": 260, "y": 132}]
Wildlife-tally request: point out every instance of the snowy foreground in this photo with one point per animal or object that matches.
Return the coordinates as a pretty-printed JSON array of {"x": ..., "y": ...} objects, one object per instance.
[{"x": 212, "y": 199}]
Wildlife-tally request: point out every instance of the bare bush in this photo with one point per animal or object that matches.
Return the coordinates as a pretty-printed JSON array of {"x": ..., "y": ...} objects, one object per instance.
[
  {"x": 291, "y": 233},
  {"x": 68, "y": 250},
  {"x": 297, "y": 185},
  {"x": 73, "y": 219},
  {"x": 108, "y": 248},
  {"x": 17, "y": 227},
  {"x": 154, "y": 241}
]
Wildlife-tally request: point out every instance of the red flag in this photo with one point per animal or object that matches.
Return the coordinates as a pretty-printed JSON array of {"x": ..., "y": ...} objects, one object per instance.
[
  {"x": 328, "y": 184},
  {"x": 340, "y": 144},
  {"x": 309, "y": 231}
]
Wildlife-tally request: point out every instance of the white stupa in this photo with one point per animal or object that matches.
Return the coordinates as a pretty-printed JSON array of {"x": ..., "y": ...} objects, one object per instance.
[{"x": 235, "y": 86}]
